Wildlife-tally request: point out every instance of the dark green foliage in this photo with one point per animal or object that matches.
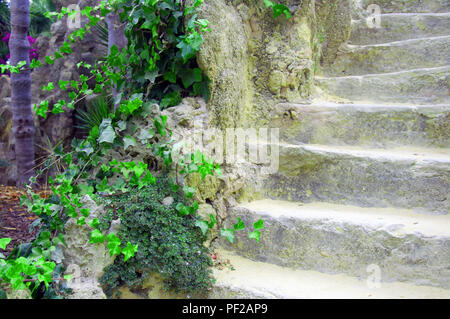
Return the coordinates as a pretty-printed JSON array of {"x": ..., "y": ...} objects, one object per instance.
[
  {"x": 168, "y": 243},
  {"x": 162, "y": 50},
  {"x": 39, "y": 22}
]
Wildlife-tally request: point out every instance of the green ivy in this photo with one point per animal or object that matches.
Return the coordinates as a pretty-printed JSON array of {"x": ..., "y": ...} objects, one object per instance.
[{"x": 169, "y": 243}]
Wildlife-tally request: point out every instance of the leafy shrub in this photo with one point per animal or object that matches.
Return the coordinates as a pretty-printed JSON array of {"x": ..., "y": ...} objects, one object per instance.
[{"x": 169, "y": 244}]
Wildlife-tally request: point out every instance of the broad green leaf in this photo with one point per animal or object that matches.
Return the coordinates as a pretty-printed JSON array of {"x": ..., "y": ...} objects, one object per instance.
[
  {"x": 129, "y": 251},
  {"x": 259, "y": 224},
  {"x": 203, "y": 226},
  {"x": 228, "y": 234},
  {"x": 106, "y": 132},
  {"x": 129, "y": 141},
  {"x": 68, "y": 277},
  {"x": 255, "y": 235},
  {"x": 94, "y": 223},
  {"x": 189, "y": 191},
  {"x": 114, "y": 244},
  {"x": 4, "y": 242},
  {"x": 239, "y": 225},
  {"x": 97, "y": 237}
]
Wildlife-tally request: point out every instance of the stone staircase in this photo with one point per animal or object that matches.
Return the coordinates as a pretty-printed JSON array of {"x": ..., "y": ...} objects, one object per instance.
[{"x": 362, "y": 190}]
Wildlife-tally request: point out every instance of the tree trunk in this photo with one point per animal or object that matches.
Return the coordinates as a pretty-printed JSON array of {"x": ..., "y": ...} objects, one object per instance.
[
  {"x": 116, "y": 36},
  {"x": 23, "y": 124}
]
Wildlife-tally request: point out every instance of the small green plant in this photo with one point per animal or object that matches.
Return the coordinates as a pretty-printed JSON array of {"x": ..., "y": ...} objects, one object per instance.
[
  {"x": 278, "y": 9},
  {"x": 97, "y": 110},
  {"x": 169, "y": 242}
]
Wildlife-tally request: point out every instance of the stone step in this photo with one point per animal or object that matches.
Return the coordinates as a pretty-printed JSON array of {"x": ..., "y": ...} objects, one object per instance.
[
  {"x": 404, "y": 245},
  {"x": 363, "y": 124},
  {"x": 250, "y": 279},
  {"x": 416, "y": 178},
  {"x": 390, "y": 6},
  {"x": 400, "y": 26},
  {"x": 392, "y": 57},
  {"x": 419, "y": 86}
]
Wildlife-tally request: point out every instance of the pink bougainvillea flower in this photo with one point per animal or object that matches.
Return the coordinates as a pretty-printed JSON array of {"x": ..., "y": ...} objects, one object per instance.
[
  {"x": 6, "y": 37},
  {"x": 31, "y": 40}
]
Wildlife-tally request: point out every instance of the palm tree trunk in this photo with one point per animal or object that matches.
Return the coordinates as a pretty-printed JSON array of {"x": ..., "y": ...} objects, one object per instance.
[{"x": 23, "y": 125}]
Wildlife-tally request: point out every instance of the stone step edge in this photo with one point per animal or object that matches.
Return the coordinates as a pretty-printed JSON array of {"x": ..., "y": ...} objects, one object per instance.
[
  {"x": 375, "y": 107},
  {"x": 423, "y": 156},
  {"x": 396, "y": 221},
  {"x": 425, "y": 70},
  {"x": 251, "y": 279},
  {"x": 397, "y": 44}
]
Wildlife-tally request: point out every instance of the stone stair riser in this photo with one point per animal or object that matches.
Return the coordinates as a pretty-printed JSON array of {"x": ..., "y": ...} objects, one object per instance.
[
  {"x": 388, "y": 6},
  {"x": 422, "y": 86},
  {"x": 400, "y": 27},
  {"x": 393, "y": 57},
  {"x": 306, "y": 175},
  {"x": 342, "y": 247},
  {"x": 378, "y": 126}
]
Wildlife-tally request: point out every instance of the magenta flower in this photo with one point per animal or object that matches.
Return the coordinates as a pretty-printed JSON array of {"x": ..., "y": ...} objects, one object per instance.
[{"x": 6, "y": 37}]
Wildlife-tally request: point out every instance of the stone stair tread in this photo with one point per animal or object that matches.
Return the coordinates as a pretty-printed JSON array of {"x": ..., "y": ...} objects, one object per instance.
[
  {"x": 398, "y": 43},
  {"x": 396, "y": 221},
  {"x": 361, "y": 106},
  {"x": 414, "y": 154},
  {"x": 400, "y": 26},
  {"x": 251, "y": 279},
  {"x": 419, "y": 86},
  {"x": 424, "y": 70},
  {"x": 393, "y": 56}
]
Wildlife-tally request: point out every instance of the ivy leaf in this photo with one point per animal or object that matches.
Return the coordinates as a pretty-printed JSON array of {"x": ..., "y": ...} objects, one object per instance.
[
  {"x": 94, "y": 223},
  {"x": 239, "y": 225},
  {"x": 255, "y": 235},
  {"x": 171, "y": 99},
  {"x": 114, "y": 244},
  {"x": 59, "y": 240},
  {"x": 4, "y": 242},
  {"x": 128, "y": 141},
  {"x": 228, "y": 234},
  {"x": 190, "y": 76},
  {"x": 203, "y": 226},
  {"x": 144, "y": 135},
  {"x": 96, "y": 237},
  {"x": 68, "y": 277},
  {"x": 129, "y": 251},
  {"x": 213, "y": 221},
  {"x": 182, "y": 210},
  {"x": 189, "y": 191},
  {"x": 106, "y": 132},
  {"x": 186, "y": 49},
  {"x": 202, "y": 89},
  {"x": 259, "y": 224}
]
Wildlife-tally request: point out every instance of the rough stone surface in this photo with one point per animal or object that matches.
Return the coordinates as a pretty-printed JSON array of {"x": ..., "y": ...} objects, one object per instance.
[
  {"x": 397, "y": 27},
  {"x": 406, "y": 246},
  {"x": 409, "y": 178},
  {"x": 392, "y": 57},
  {"x": 419, "y": 86},
  {"x": 333, "y": 26},
  {"x": 376, "y": 126},
  {"x": 250, "y": 279},
  {"x": 253, "y": 60},
  {"x": 84, "y": 260}
]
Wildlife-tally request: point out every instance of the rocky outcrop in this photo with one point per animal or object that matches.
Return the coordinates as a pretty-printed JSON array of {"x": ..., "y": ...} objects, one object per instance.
[{"x": 85, "y": 261}]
